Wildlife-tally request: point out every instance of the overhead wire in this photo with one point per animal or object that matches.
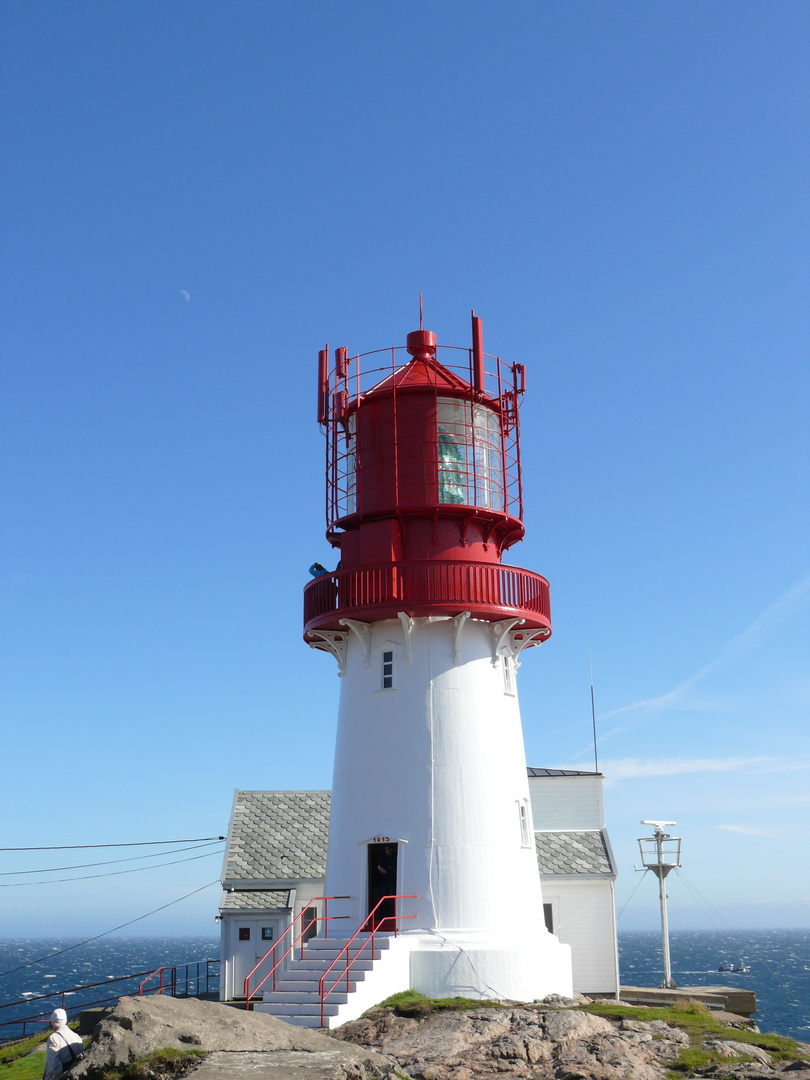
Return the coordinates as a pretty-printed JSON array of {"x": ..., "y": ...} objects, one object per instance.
[
  {"x": 112, "y": 873},
  {"x": 108, "y": 862},
  {"x": 630, "y": 897},
  {"x": 139, "y": 843},
  {"x": 121, "y": 926}
]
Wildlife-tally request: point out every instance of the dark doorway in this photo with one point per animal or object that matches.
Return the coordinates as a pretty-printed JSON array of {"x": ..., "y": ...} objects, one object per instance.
[{"x": 382, "y": 881}]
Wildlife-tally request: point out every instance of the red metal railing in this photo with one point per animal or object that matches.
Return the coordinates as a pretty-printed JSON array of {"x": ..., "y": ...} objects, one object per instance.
[
  {"x": 343, "y": 385},
  {"x": 488, "y": 590},
  {"x": 186, "y": 980},
  {"x": 376, "y": 926},
  {"x": 325, "y": 918}
]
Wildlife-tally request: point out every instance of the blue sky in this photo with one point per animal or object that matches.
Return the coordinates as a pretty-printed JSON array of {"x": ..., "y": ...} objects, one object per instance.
[{"x": 196, "y": 198}]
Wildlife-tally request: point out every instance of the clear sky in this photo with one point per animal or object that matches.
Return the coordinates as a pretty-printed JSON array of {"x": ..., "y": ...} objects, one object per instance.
[{"x": 196, "y": 197}]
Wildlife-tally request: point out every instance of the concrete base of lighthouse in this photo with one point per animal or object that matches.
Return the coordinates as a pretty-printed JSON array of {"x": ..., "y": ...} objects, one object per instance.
[{"x": 476, "y": 965}]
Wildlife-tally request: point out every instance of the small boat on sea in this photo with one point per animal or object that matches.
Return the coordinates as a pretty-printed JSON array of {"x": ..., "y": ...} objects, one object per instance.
[{"x": 741, "y": 968}]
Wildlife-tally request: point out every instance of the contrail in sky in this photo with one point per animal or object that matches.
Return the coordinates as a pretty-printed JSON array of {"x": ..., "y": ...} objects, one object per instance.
[{"x": 763, "y": 626}]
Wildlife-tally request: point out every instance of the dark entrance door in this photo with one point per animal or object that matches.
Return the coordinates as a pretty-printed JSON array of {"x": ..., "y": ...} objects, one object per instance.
[{"x": 382, "y": 881}]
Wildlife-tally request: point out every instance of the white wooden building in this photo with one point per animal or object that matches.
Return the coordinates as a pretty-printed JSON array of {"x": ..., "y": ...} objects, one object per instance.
[
  {"x": 275, "y": 866},
  {"x": 578, "y": 872}
]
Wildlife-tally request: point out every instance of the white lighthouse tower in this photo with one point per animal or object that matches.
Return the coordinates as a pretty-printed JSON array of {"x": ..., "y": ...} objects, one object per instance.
[{"x": 431, "y": 834}]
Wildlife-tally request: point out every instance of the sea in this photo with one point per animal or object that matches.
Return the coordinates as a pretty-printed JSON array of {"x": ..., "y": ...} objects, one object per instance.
[{"x": 107, "y": 968}]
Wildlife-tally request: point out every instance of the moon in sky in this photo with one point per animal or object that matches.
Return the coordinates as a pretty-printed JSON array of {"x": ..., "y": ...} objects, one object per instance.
[{"x": 185, "y": 295}]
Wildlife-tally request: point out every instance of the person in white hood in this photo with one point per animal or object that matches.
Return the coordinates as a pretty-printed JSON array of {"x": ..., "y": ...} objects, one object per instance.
[{"x": 64, "y": 1046}]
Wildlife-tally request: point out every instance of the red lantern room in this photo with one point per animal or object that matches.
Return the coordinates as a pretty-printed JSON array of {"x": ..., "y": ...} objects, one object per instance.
[{"x": 423, "y": 486}]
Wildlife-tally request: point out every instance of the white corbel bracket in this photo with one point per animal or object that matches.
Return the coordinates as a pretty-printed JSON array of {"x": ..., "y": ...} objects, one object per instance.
[
  {"x": 458, "y": 623},
  {"x": 407, "y": 630},
  {"x": 362, "y": 631},
  {"x": 523, "y": 639},
  {"x": 331, "y": 641},
  {"x": 500, "y": 631}
]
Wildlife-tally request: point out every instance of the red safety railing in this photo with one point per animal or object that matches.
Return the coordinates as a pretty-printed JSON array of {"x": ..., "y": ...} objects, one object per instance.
[
  {"x": 179, "y": 980},
  {"x": 375, "y": 925},
  {"x": 301, "y": 938},
  {"x": 343, "y": 386},
  {"x": 487, "y": 590}
]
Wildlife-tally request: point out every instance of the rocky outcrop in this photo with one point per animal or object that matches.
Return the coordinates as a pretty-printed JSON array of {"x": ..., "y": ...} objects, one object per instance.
[
  {"x": 538, "y": 1043},
  {"x": 531, "y": 1043},
  {"x": 549, "y": 1041},
  {"x": 236, "y": 1042}
]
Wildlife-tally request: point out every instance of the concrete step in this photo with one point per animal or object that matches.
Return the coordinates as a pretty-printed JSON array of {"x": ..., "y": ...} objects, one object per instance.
[
  {"x": 286, "y": 997},
  {"x": 313, "y": 967},
  {"x": 305, "y": 1008},
  {"x": 302, "y": 987},
  {"x": 317, "y": 944},
  {"x": 305, "y": 1021}
]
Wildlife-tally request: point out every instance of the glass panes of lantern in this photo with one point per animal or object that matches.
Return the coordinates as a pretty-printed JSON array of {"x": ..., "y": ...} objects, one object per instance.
[{"x": 470, "y": 461}]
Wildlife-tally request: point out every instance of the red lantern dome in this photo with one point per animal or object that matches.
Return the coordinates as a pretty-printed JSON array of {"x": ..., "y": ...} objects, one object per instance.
[{"x": 423, "y": 486}]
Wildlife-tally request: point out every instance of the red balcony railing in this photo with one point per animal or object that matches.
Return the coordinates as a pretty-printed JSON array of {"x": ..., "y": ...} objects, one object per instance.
[{"x": 488, "y": 591}]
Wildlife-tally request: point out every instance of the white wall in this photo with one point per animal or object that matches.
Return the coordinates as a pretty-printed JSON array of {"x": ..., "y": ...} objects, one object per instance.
[
  {"x": 566, "y": 802},
  {"x": 584, "y": 919}
]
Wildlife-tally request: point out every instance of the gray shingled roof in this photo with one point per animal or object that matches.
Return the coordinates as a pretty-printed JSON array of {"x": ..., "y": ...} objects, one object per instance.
[
  {"x": 255, "y": 900},
  {"x": 577, "y": 852},
  {"x": 278, "y": 835}
]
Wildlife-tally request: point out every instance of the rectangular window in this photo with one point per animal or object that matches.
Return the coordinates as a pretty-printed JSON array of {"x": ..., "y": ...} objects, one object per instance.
[
  {"x": 508, "y": 675},
  {"x": 388, "y": 670},
  {"x": 523, "y": 812},
  {"x": 267, "y": 933},
  {"x": 548, "y": 915},
  {"x": 310, "y": 923},
  {"x": 244, "y": 933}
]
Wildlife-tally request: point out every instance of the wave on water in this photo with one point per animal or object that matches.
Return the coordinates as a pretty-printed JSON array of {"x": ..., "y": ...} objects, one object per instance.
[
  {"x": 31, "y": 967},
  {"x": 778, "y": 963}
]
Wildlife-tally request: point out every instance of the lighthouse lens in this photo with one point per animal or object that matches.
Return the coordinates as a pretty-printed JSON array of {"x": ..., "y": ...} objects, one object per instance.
[{"x": 470, "y": 459}]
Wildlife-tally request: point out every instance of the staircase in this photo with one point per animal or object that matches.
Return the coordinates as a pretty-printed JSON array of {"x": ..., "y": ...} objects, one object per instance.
[{"x": 372, "y": 977}]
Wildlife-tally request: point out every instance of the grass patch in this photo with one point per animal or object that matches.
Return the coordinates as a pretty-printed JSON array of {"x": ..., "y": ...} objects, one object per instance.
[
  {"x": 18, "y": 1061},
  {"x": 699, "y": 1024},
  {"x": 413, "y": 1004},
  {"x": 696, "y": 1058},
  {"x": 167, "y": 1062},
  {"x": 23, "y": 1068},
  {"x": 19, "y": 1048}
]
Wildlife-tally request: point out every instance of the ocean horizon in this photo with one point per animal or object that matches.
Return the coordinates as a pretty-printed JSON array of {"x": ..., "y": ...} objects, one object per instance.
[{"x": 778, "y": 962}]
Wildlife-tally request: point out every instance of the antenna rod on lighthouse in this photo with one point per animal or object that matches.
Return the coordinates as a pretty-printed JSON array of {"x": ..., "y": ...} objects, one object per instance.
[
  {"x": 593, "y": 717},
  {"x": 478, "y": 352}
]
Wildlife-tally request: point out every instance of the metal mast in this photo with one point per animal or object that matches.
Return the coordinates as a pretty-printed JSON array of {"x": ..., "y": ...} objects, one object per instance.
[{"x": 662, "y": 853}]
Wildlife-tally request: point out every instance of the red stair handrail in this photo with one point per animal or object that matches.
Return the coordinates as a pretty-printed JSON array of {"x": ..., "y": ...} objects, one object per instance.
[
  {"x": 276, "y": 963},
  {"x": 351, "y": 959}
]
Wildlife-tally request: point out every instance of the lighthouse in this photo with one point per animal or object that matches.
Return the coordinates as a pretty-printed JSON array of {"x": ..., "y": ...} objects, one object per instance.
[{"x": 431, "y": 838}]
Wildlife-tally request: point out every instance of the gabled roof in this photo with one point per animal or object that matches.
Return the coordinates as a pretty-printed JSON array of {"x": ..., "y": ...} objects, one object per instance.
[
  {"x": 584, "y": 852},
  {"x": 277, "y": 836},
  {"x": 256, "y": 900},
  {"x": 561, "y": 772}
]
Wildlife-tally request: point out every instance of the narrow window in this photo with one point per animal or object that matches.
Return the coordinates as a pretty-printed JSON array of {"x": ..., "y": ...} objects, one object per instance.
[
  {"x": 523, "y": 813},
  {"x": 388, "y": 670},
  {"x": 548, "y": 915},
  {"x": 310, "y": 923},
  {"x": 508, "y": 675}
]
